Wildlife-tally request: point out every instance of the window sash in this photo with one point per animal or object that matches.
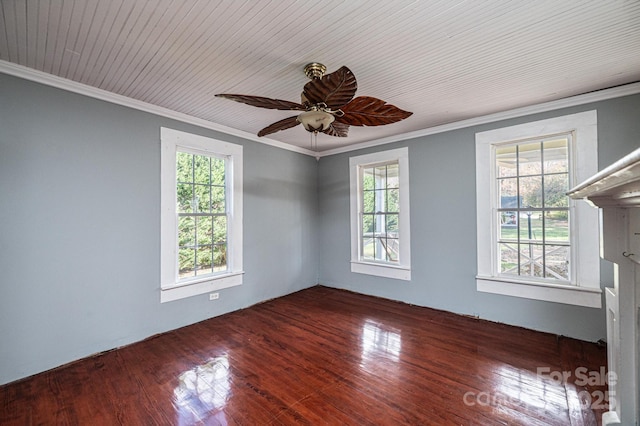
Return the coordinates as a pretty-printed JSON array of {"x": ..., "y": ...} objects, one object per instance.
[
  {"x": 533, "y": 256},
  {"x": 383, "y": 243},
  {"x": 218, "y": 248}
]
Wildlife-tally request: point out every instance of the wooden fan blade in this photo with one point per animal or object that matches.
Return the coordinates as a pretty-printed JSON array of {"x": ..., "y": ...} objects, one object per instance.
[
  {"x": 334, "y": 89},
  {"x": 259, "y": 101},
  {"x": 338, "y": 129},
  {"x": 287, "y": 123},
  {"x": 368, "y": 111}
]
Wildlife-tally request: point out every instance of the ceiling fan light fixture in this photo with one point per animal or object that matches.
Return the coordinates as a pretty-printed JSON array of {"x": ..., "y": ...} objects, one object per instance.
[{"x": 315, "y": 120}]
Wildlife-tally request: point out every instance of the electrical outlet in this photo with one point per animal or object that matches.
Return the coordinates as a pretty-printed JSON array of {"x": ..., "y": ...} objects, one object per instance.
[{"x": 214, "y": 296}]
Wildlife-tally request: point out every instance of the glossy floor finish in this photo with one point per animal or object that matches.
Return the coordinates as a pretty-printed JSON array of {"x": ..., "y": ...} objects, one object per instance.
[{"x": 323, "y": 356}]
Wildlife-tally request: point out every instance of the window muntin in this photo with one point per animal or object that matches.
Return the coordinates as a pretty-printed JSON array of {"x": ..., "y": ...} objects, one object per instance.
[
  {"x": 202, "y": 215},
  {"x": 533, "y": 236},
  {"x": 380, "y": 212}
]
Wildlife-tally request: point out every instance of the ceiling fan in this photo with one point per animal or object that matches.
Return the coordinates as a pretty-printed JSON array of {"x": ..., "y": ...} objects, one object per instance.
[{"x": 328, "y": 105}]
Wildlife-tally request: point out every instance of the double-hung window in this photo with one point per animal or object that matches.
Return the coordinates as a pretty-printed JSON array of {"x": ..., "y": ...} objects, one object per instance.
[
  {"x": 380, "y": 235},
  {"x": 532, "y": 180},
  {"x": 201, "y": 221},
  {"x": 533, "y": 240}
]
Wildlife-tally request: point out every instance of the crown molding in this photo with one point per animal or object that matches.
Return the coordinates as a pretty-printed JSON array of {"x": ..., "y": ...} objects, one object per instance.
[
  {"x": 103, "y": 95},
  {"x": 600, "y": 95},
  {"x": 83, "y": 89}
]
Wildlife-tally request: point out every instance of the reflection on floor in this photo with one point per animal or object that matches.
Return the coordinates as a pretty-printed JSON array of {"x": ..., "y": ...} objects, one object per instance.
[{"x": 325, "y": 356}]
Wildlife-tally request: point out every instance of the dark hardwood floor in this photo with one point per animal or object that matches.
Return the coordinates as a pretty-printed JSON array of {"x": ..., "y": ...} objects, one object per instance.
[{"x": 322, "y": 356}]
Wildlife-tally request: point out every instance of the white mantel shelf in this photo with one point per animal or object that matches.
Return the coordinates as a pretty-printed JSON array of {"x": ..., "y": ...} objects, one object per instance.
[
  {"x": 616, "y": 190},
  {"x": 617, "y": 185}
]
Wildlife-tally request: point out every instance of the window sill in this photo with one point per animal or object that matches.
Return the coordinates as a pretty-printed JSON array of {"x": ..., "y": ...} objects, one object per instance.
[
  {"x": 381, "y": 270},
  {"x": 193, "y": 288},
  {"x": 567, "y": 294}
]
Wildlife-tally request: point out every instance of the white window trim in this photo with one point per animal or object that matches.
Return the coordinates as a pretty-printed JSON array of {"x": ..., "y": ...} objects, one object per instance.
[
  {"x": 170, "y": 288},
  {"x": 401, "y": 270},
  {"x": 585, "y": 287}
]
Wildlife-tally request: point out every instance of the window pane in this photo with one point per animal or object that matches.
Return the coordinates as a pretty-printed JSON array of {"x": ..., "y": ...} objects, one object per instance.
[
  {"x": 203, "y": 199},
  {"x": 220, "y": 229},
  {"x": 381, "y": 177},
  {"x": 556, "y": 156},
  {"x": 379, "y": 224},
  {"x": 382, "y": 246},
  {"x": 204, "y": 260},
  {"x": 368, "y": 202},
  {"x": 205, "y": 230},
  {"x": 393, "y": 196},
  {"x": 530, "y": 159},
  {"x": 508, "y": 258},
  {"x": 556, "y": 226},
  {"x": 186, "y": 231},
  {"x": 508, "y": 193},
  {"x": 184, "y": 170},
  {"x": 531, "y": 258},
  {"x": 186, "y": 262},
  {"x": 531, "y": 191},
  {"x": 392, "y": 225},
  {"x": 373, "y": 248},
  {"x": 380, "y": 201},
  {"x": 218, "y": 199},
  {"x": 557, "y": 262},
  {"x": 380, "y": 253},
  {"x": 392, "y": 249},
  {"x": 185, "y": 198},
  {"x": 201, "y": 169},
  {"x": 506, "y": 158},
  {"x": 392, "y": 176},
  {"x": 393, "y": 182},
  {"x": 368, "y": 249},
  {"x": 530, "y": 224},
  {"x": 368, "y": 179},
  {"x": 555, "y": 190},
  {"x": 217, "y": 171},
  {"x": 220, "y": 258},
  {"x": 508, "y": 225},
  {"x": 367, "y": 224}
]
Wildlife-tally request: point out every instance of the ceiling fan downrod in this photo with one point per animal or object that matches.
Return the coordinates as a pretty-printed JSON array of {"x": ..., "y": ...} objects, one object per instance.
[{"x": 314, "y": 70}]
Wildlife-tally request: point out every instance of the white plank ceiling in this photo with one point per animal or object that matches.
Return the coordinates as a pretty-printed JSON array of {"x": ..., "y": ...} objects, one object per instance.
[{"x": 444, "y": 60}]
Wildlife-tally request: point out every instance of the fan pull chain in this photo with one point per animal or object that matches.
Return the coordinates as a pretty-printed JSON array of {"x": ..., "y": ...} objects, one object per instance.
[
  {"x": 317, "y": 155},
  {"x": 314, "y": 144}
]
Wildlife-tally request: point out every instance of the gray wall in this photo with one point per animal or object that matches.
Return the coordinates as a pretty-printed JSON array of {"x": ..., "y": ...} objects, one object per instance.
[
  {"x": 443, "y": 226},
  {"x": 80, "y": 221},
  {"x": 80, "y": 228}
]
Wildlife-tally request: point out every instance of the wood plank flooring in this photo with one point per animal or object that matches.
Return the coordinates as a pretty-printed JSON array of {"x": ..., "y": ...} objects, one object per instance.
[{"x": 322, "y": 357}]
